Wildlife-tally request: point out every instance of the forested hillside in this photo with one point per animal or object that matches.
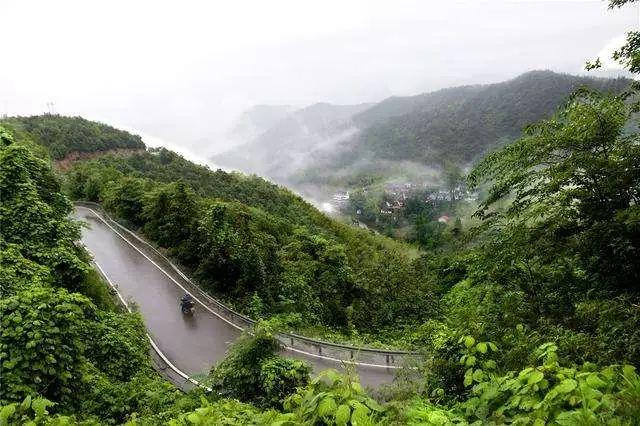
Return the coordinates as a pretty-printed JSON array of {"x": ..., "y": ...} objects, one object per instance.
[
  {"x": 457, "y": 125},
  {"x": 397, "y": 106},
  {"x": 64, "y": 135},
  {"x": 464, "y": 123}
]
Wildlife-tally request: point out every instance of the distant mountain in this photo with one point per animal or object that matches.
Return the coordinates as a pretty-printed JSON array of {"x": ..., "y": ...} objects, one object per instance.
[
  {"x": 290, "y": 143},
  {"x": 329, "y": 144},
  {"x": 424, "y": 103},
  {"x": 464, "y": 123},
  {"x": 257, "y": 120}
]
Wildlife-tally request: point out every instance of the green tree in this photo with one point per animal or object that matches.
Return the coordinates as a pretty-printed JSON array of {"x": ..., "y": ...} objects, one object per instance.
[
  {"x": 574, "y": 186},
  {"x": 92, "y": 189},
  {"x": 428, "y": 231},
  {"x": 31, "y": 194},
  {"x": 316, "y": 278},
  {"x": 453, "y": 177},
  {"x": 42, "y": 344},
  {"x": 252, "y": 372},
  {"x": 18, "y": 273},
  {"x": 117, "y": 345},
  {"x": 155, "y": 210},
  {"x": 169, "y": 214},
  {"x": 125, "y": 199},
  {"x": 233, "y": 250}
]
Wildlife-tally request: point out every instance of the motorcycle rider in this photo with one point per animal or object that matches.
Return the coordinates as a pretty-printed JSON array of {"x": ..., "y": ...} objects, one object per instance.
[{"x": 186, "y": 303}]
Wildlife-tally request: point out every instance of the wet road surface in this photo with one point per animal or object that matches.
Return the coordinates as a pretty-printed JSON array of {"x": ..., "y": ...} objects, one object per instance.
[{"x": 193, "y": 344}]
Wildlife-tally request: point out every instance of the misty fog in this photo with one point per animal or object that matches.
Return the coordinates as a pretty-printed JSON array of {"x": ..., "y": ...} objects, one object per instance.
[{"x": 182, "y": 73}]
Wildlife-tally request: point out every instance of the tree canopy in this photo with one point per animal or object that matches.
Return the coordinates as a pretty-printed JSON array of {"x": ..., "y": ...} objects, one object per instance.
[
  {"x": 574, "y": 183},
  {"x": 65, "y": 135}
]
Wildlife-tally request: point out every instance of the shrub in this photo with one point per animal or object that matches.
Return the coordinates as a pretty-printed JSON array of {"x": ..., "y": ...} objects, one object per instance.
[
  {"x": 42, "y": 344},
  {"x": 279, "y": 377},
  {"x": 332, "y": 398},
  {"x": 32, "y": 411},
  {"x": 117, "y": 345},
  {"x": 548, "y": 392},
  {"x": 252, "y": 372}
]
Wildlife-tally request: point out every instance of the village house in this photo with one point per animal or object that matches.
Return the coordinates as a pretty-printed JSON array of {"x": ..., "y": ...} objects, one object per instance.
[{"x": 341, "y": 196}]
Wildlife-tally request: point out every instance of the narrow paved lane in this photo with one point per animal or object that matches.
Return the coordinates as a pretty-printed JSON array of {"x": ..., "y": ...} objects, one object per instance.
[{"x": 193, "y": 344}]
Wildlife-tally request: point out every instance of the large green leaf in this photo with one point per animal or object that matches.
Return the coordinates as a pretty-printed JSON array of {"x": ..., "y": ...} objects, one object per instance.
[
  {"x": 535, "y": 377},
  {"x": 326, "y": 407},
  {"x": 343, "y": 414},
  {"x": 566, "y": 386}
]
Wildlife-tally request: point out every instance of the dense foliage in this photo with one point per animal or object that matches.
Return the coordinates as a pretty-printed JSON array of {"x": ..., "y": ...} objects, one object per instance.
[
  {"x": 574, "y": 181},
  {"x": 546, "y": 392},
  {"x": 551, "y": 261},
  {"x": 65, "y": 135}
]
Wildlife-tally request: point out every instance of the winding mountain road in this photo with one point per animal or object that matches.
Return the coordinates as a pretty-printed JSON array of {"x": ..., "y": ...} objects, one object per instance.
[{"x": 192, "y": 344}]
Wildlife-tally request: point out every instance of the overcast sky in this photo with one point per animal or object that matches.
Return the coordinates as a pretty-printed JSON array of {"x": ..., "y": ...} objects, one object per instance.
[{"x": 181, "y": 71}]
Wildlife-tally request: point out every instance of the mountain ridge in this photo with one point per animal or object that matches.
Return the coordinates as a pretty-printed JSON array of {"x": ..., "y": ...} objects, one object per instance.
[
  {"x": 298, "y": 133},
  {"x": 457, "y": 124}
]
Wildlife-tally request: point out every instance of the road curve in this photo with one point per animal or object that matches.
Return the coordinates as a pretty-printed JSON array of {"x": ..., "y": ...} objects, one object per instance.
[{"x": 192, "y": 344}]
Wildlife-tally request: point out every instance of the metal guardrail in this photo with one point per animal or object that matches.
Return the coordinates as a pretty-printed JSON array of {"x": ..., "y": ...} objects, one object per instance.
[{"x": 371, "y": 357}]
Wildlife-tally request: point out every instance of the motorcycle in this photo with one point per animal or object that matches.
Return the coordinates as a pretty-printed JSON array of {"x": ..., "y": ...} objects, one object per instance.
[
  {"x": 187, "y": 306},
  {"x": 187, "y": 309}
]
